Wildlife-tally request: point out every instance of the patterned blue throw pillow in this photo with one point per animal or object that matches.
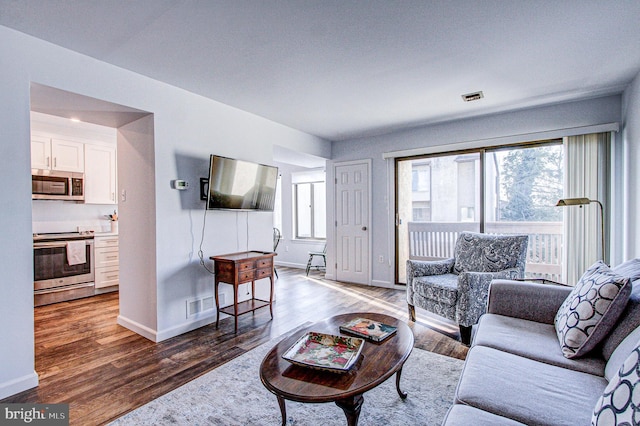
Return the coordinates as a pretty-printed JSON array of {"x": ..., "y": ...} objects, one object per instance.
[
  {"x": 620, "y": 402},
  {"x": 591, "y": 309}
]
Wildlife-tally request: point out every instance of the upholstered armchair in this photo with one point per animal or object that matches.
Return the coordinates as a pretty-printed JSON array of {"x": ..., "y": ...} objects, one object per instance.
[{"x": 458, "y": 288}]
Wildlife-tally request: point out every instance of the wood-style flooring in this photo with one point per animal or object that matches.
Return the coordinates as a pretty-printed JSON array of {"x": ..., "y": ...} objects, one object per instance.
[{"x": 102, "y": 370}]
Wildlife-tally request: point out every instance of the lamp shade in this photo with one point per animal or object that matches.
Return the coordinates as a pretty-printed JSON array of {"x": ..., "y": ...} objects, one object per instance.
[{"x": 572, "y": 202}]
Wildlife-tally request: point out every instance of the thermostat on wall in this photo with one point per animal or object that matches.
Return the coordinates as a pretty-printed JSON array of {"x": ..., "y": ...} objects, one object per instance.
[{"x": 180, "y": 184}]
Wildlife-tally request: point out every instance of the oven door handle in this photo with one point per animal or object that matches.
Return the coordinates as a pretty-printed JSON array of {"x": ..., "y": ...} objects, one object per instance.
[{"x": 49, "y": 244}]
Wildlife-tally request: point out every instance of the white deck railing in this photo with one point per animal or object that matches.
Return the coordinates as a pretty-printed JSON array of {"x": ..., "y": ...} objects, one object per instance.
[{"x": 437, "y": 240}]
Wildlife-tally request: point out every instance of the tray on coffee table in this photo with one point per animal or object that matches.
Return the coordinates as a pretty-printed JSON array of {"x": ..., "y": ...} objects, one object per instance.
[{"x": 325, "y": 352}]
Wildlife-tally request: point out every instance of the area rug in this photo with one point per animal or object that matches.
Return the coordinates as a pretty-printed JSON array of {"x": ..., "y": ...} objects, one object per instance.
[{"x": 233, "y": 395}]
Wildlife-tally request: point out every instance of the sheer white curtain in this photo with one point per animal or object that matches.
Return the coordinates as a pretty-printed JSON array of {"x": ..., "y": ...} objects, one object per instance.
[{"x": 586, "y": 168}]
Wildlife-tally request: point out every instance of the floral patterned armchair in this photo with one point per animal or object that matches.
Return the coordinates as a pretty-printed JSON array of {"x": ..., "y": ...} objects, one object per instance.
[{"x": 458, "y": 288}]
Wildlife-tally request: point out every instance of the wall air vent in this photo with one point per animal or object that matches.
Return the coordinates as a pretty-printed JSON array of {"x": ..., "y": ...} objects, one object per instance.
[{"x": 473, "y": 96}]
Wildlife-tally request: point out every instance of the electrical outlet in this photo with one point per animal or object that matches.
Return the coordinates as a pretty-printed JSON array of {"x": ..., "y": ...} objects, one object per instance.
[
  {"x": 381, "y": 259},
  {"x": 286, "y": 248}
]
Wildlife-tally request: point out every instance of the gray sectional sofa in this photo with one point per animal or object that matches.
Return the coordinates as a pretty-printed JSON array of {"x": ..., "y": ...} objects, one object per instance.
[{"x": 515, "y": 372}]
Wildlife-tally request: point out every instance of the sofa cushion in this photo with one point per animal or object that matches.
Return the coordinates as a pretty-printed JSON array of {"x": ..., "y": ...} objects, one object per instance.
[
  {"x": 463, "y": 415},
  {"x": 621, "y": 353},
  {"x": 620, "y": 402},
  {"x": 441, "y": 288},
  {"x": 628, "y": 321},
  {"x": 591, "y": 309},
  {"x": 489, "y": 253},
  {"x": 534, "y": 340},
  {"x": 531, "y": 301},
  {"x": 629, "y": 269},
  {"x": 527, "y": 391},
  {"x": 433, "y": 306},
  {"x": 630, "y": 318}
]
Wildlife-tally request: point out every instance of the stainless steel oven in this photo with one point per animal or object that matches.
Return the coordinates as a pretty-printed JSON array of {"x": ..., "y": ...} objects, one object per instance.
[{"x": 56, "y": 279}]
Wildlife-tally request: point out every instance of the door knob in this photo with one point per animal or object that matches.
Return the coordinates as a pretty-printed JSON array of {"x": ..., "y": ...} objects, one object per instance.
[{"x": 364, "y": 228}]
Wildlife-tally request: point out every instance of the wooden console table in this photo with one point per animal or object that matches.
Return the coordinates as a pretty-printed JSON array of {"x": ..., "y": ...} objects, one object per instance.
[{"x": 240, "y": 268}]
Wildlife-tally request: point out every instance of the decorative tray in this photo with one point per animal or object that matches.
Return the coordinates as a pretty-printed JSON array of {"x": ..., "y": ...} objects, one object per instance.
[{"x": 325, "y": 352}]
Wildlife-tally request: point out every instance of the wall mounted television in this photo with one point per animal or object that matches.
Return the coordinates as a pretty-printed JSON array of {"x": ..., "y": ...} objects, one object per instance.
[{"x": 240, "y": 185}]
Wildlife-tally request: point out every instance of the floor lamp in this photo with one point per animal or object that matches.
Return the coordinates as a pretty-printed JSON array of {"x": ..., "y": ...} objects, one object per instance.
[{"x": 563, "y": 202}]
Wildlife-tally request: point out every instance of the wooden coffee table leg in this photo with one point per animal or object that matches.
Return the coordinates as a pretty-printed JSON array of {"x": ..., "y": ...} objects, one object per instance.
[
  {"x": 402, "y": 394},
  {"x": 351, "y": 407},
  {"x": 283, "y": 410}
]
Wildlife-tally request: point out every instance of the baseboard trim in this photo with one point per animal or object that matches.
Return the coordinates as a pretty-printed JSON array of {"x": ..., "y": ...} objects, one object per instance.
[
  {"x": 185, "y": 328},
  {"x": 18, "y": 385},
  {"x": 138, "y": 328},
  {"x": 291, "y": 265},
  {"x": 384, "y": 284}
]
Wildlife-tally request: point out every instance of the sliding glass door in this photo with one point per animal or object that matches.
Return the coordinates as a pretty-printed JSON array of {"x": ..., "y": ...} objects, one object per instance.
[
  {"x": 522, "y": 186},
  {"x": 510, "y": 190},
  {"x": 437, "y": 198}
]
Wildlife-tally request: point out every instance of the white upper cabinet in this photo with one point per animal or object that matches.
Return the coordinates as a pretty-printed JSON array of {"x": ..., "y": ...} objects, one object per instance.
[
  {"x": 100, "y": 174},
  {"x": 56, "y": 154},
  {"x": 67, "y": 156},
  {"x": 40, "y": 153}
]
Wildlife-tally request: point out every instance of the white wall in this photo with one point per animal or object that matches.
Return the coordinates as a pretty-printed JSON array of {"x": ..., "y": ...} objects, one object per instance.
[
  {"x": 511, "y": 124},
  {"x": 139, "y": 307},
  {"x": 186, "y": 129},
  {"x": 631, "y": 153}
]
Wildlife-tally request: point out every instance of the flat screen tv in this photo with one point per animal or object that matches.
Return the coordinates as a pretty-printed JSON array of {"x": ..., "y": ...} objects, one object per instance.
[{"x": 241, "y": 185}]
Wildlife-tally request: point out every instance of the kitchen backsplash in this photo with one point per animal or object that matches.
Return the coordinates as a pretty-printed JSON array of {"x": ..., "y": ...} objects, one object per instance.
[{"x": 66, "y": 216}]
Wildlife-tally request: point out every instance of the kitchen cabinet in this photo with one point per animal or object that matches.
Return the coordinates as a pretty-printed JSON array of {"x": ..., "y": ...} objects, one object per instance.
[
  {"x": 107, "y": 261},
  {"x": 57, "y": 154},
  {"x": 40, "y": 153},
  {"x": 100, "y": 180}
]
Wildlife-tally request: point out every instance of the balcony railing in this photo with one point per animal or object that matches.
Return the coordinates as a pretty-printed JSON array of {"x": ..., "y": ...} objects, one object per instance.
[{"x": 437, "y": 240}]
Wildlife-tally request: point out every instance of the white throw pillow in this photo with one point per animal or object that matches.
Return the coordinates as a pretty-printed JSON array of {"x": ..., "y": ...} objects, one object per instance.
[
  {"x": 620, "y": 402},
  {"x": 591, "y": 309}
]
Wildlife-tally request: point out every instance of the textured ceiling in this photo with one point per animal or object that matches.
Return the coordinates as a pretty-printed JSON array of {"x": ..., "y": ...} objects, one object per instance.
[{"x": 347, "y": 68}]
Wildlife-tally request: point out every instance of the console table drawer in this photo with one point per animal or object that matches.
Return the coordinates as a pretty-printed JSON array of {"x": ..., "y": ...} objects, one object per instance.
[
  {"x": 244, "y": 276},
  {"x": 263, "y": 273},
  {"x": 264, "y": 263},
  {"x": 246, "y": 266}
]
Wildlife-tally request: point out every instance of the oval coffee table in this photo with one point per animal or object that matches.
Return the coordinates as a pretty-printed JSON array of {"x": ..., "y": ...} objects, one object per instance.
[{"x": 377, "y": 362}]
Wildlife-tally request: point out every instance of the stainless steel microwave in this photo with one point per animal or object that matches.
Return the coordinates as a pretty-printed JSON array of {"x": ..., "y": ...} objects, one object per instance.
[{"x": 56, "y": 185}]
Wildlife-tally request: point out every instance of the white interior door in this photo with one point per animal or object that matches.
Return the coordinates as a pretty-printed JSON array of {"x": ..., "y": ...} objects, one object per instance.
[{"x": 352, "y": 223}]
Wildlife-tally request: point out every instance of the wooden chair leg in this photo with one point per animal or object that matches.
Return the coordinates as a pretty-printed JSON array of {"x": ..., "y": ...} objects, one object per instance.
[{"x": 412, "y": 312}]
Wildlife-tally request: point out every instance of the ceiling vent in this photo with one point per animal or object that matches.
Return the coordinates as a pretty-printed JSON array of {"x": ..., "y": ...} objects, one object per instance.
[{"x": 473, "y": 96}]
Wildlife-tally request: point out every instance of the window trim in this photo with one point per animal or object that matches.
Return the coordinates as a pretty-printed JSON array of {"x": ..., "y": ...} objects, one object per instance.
[{"x": 313, "y": 236}]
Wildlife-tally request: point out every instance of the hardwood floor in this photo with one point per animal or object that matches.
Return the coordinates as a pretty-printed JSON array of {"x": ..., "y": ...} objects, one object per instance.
[{"x": 103, "y": 370}]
